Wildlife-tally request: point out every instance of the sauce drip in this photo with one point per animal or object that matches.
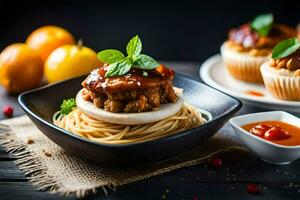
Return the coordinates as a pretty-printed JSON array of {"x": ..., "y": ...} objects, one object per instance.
[
  {"x": 254, "y": 93},
  {"x": 275, "y": 131}
]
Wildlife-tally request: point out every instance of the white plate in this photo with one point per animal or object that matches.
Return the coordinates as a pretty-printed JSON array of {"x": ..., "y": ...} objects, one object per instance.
[{"x": 214, "y": 73}]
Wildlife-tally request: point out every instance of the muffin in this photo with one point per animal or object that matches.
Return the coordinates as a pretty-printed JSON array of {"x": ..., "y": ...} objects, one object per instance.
[
  {"x": 281, "y": 74},
  {"x": 250, "y": 45}
]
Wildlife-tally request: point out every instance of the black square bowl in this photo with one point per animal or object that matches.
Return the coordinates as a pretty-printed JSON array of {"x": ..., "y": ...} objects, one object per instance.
[{"x": 40, "y": 104}]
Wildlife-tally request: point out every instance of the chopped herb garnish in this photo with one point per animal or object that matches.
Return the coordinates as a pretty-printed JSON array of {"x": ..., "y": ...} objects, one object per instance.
[
  {"x": 67, "y": 106},
  {"x": 120, "y": 65},
  {"x": 145, "y": 73}
]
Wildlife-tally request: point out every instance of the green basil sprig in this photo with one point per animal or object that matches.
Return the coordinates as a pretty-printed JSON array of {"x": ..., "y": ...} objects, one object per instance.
[
  {"x": 67, "y": 106},
  {"x": 120, "y": 65},
  {"x": 262, "y": 24},
  {"x": 285, "y": 48}
]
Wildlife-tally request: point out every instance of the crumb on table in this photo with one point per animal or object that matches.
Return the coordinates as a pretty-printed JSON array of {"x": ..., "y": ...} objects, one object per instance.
[
  {"x": 30, "y": 140},
  {"x": 47, "y": 153}
]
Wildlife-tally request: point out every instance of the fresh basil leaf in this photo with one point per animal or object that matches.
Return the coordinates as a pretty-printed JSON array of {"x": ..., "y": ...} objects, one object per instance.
[
  {"x": 134, "y": 46},
  {"x": 145, "y": 62},
  {"x": 285, "y": 48},
  {"x": 262, "y": 24},
  {"x": 110, "y": 56},
  {"x": 118, "y": 68}
]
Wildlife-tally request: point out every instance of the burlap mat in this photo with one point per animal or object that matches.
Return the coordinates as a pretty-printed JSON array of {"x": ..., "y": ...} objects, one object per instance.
[{"x": 49, "y": 167}]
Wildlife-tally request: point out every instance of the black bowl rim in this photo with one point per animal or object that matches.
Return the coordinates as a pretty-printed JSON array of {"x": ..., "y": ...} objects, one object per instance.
[{"x": 182, "y": 133}]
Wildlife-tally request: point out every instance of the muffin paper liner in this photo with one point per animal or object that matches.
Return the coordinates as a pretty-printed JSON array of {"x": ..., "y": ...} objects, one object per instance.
[
  {"x": 286, "y": 87},
  {"x": 243, "y": 66}
]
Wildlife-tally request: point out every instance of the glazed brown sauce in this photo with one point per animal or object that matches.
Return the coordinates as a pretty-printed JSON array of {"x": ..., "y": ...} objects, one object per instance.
[
  {"x": 276, "y": 132},
  {"x": 133, "y": 80},
  {"x": 254, "y": 93}
]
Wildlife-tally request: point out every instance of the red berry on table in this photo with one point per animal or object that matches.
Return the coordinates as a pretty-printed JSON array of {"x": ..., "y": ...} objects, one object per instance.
[
  {"x": 195, "y": 198},
  {"x": 253, "y": 189},
  {"x": 8, "y": 111},
  {"x": 216, "y": 162}
]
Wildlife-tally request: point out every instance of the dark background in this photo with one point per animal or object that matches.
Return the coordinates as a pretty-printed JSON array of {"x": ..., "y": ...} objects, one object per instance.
[{"x": 170, "y": 30}]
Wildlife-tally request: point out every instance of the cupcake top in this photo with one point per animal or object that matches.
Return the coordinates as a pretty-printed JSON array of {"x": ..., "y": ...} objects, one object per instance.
[
  {"x": 259, "y": 36},
  {"x": 286, "y": 55}
]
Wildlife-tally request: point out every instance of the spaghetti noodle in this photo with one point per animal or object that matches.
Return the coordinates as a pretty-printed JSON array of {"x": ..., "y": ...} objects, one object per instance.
[{"x": 85, "y": 126}]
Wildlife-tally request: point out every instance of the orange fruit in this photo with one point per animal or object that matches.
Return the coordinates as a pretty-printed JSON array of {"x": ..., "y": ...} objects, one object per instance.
[
  {"x": 47, "y": 38},
  {"x": 70, "y": 61},
  {"x": 21, "y": 68}
]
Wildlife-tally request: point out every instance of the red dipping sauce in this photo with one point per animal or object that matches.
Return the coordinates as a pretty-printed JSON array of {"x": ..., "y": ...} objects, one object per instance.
[{"x": 275, "y": 131}]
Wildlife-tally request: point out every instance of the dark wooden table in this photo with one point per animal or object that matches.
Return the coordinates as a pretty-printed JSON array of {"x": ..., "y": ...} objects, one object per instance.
[{"x": 197, "y": 182}]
